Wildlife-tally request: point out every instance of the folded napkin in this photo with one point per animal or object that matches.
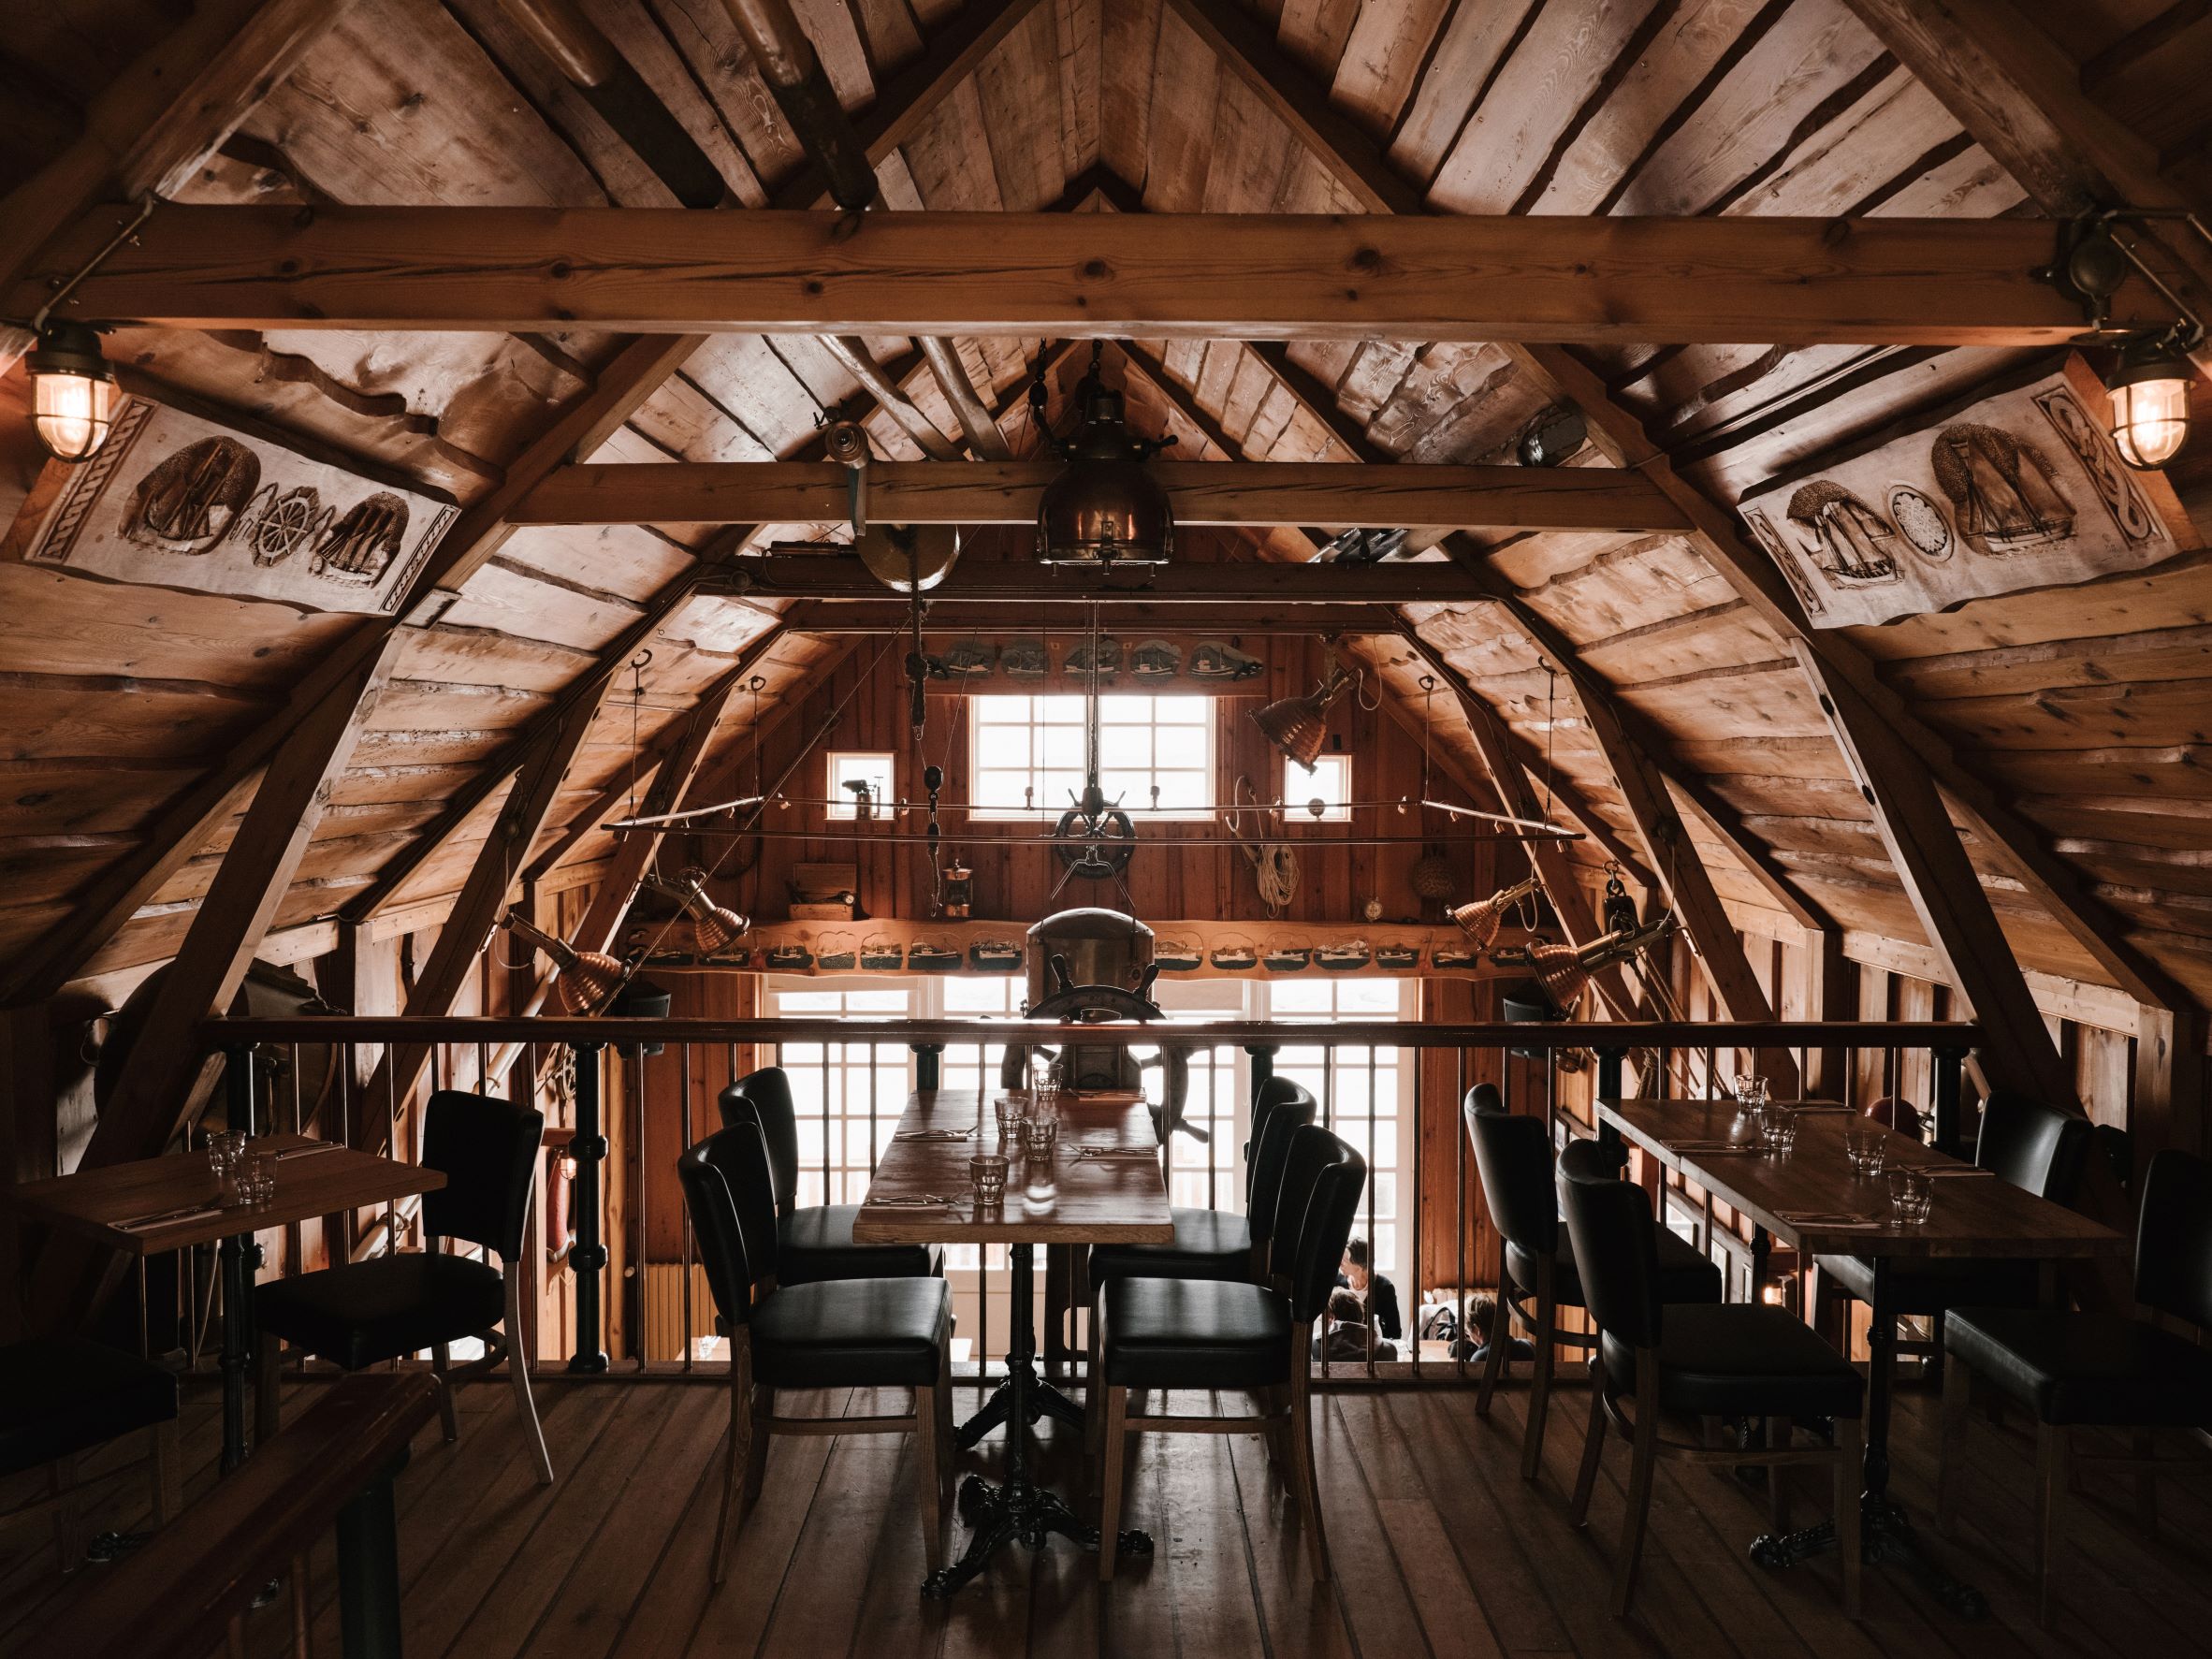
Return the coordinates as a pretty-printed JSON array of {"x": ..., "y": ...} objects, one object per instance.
[
  {"x": 1150, "y": 1153},
  {"x": 167, "y": 1218},
  {"x": 1939, "y": 1172},
  {"x": 1829, "y": 1220},
  {"x": 1706, "y": 1147},
  {"x": 935, "y": 1135},
  {"x": 927, "y": 1200},
  {"x": 308, "y": 1151}
]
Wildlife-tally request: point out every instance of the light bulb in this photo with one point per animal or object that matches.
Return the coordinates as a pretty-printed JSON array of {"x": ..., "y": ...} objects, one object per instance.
[
  {"x": 2150, "y": 403},
  {"x": 73, "y": 395}
]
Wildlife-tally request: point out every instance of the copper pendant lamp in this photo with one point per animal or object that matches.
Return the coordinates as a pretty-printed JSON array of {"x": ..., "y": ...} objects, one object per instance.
[
  {"x": 1299, "y": 726},
  {"x": 585, "y": 982},
  {"x": 1481, "y": 920},
  {"x": 1105, "y": 508}
]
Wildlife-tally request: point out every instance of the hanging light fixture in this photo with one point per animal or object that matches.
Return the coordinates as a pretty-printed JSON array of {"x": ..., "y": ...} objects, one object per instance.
[
  {"x": 2150, "y": 389},
  {"x": 1105, "y": 508},
  {"x": 1299, "y": 726},
  {"x": 72, "y": 391}
]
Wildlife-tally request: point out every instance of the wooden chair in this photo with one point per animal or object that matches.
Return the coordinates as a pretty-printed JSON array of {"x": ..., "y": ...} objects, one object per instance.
[
  {"x": 837, "y": 1333},
  {"x": 1218, "y": 1334},
  {"x": 813, "y": 1242},
  {"x": 364, "y": 1313},
  {"x": 2100, "y": 1370},
  {"x": 1213, "y": 1244},
  {"x": 62, "y": 1396},
  {"x": 1699, "y": 1360},
  {"x": 1513, "y": 1158}
]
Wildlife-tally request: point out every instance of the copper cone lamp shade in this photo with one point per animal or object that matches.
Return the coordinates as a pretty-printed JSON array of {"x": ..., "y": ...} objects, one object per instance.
[
  {"x": 712, "y": 926},
  {"x": 1481, "y": 920},
  {"x": 587, "y": 981},
  {"x": 1299, "y": 726}
]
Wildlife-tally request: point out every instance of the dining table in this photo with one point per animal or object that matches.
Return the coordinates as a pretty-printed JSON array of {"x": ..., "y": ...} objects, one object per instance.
[
  {"x": 1102, "y": 1183},
  {"x": 173, "y": 1202},
  {"x": 1810, "y": 1199}
]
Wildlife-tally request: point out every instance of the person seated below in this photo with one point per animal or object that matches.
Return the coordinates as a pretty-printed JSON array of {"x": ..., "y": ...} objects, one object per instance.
[
  {"x": 1348, "y": 1335},
  {"x": 1375, "y": 1290},
  {"x": 1483, "y": 1319}
]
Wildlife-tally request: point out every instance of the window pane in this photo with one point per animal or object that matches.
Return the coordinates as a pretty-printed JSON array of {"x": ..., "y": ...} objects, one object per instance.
[{"x": 1029, "y": 753}]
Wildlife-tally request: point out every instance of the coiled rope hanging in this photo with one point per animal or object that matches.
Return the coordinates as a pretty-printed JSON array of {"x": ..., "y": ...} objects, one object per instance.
[{"x": 1274, "y": 863}]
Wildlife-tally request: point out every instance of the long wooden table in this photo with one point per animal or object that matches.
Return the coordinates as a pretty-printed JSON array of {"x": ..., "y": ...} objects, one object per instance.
[
  {"x": 920, "y": 1194},
  {"x": 1801, "y": 1199},
  {"x": 312, "y": 1178}
]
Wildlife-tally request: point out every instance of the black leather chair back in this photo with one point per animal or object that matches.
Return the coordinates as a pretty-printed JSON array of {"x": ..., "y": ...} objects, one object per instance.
[
  {"x": 764, "y": 1099},
  {"x": 733, "y": 1208},
  {"x": 1484, "y": 1097},
  {"x": 1282, "y": 1109},
  {"x": 1615, "y": 1248},
  {"x": 1513, "y": 1156},
  {"x": 2037, "y": 1147},
  {"x": 2174, "y": 1238},
  {"x": 1277, "y": 1095},
  {"x": 488, "y": 1150},
  {"x": 1322, "y": 1182}
]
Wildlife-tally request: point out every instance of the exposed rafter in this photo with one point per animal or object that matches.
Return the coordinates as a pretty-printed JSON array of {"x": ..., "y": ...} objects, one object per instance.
[
  {"x": 1006, "y": 491},
  {"x": 1905, "y": 282}
]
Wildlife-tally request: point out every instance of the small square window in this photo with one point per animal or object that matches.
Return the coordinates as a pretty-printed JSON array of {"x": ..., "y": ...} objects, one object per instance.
[
  {"x": 846, "y": 768},
  {"x": 1330, "y": 783}
]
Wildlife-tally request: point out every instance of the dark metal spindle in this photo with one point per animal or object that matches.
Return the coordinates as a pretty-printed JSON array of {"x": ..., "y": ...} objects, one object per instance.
[{"x": 588, "y": 1256}]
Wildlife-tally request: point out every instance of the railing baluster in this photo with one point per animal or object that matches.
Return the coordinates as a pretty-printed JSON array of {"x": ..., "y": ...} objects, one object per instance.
[
  {"x": 685, "y": 1266},
  {"x": 588, "y": 1255}
]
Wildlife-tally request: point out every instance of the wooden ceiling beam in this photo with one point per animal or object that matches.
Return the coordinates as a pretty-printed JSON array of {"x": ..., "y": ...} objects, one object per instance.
[
  {"x": 1882, "y": 724},
  {"x": 837, "y": 575},
  {"x": 1189, "y": 618},
  {"x": 1335, "y": 493},
  {"x": 1907, "y": 281}
]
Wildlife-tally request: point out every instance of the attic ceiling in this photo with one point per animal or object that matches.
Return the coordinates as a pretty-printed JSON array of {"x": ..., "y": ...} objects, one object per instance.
[{"x": 2089, "y": 716}]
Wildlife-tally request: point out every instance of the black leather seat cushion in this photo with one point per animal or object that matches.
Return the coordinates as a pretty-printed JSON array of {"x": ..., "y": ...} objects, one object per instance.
[
  {"x": 1743, "y": 1359},
  {"x": 1935, "y": 1286},
  {"x": 59, "y": 1395},
  {"x": 376, "y": 1310},
  {"x": 1209, "y": 1244},
  {"x": 852, "y": 1333},
  {"x": 2087, "y": 1368},
  {"x": 816, "y": 1243},
  {"x": 1194, "y": 1333},
  {"x": 1685, "y": 1275}
]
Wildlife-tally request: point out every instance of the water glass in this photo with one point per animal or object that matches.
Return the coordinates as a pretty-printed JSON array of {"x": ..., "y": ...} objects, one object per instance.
[
  {"x": 257, "y": 1180},
  {"x": 1039, "y": 1132},
  {"x": 1912, "y": 1195},
  {"x": 1013, "y": 1108},
  {"x": 227, "y": 1148},
  {"x": 1865, "y": 1149},
  {"x": 987, "y": 1171},
  {"x": 1777, "y": 1129},
  {"x": 1751, "y": 1090}
]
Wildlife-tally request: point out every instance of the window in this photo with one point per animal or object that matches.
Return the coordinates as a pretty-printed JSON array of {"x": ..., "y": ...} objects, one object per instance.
[
  {"x": 1036, "y": 745},
  {"x": 848, "y": 1096},
  {"x": 1359, "y": 1089},
  {"x": 1330, "y": 783},
  {"x": 850, "y": 766}
]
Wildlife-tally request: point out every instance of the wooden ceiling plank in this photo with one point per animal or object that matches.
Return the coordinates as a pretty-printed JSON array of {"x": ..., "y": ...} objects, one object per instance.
[
  {"x": 1876, "y": 281},
  {"x": 152, "y": 129}
]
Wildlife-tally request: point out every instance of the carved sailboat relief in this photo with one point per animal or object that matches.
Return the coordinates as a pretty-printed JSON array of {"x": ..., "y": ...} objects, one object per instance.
[{"x": 2021, "y": 490}]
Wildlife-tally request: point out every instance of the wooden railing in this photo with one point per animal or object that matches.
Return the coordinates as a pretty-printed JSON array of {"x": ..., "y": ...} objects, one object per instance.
[
  {"x": 187, "y": 1591},
  {"x": 1857, "y": 1061}
]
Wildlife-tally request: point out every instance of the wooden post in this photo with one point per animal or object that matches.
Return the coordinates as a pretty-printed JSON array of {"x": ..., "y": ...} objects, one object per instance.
[{"x": 2173, "y": 1084}]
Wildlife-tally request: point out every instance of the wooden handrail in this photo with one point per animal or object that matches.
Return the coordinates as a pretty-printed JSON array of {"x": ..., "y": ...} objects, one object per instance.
[
  {"x": 1594, "y": 1034},
  {"x": 177, "y": 1595}
]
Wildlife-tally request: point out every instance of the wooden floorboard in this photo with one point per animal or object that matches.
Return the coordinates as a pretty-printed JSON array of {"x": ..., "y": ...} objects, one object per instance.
[{"x": 1440, "y": 1548}]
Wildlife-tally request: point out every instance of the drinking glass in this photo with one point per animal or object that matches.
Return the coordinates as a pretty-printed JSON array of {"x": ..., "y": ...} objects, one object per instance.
[
  {"x": 257, "y": 1179},
  {"x": 1013, "y": 1108},
  {"x": 1778, "y": 1128},
  {"x": 1865, "y": 1149},
  {"x": 1041, "y": 1130},
  {"x": 225, "y": 1149},
  {"x": 1912, "y": 1195},
  {"x": 987, "y": 1171},
  {"x": 1751, "y": 1090}
]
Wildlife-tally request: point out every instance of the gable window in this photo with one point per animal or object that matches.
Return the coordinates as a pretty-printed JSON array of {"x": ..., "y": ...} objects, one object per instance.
[
  {"x": 1330, "y": 783},
  {"x": 851, "y": 766},
  {"x": 1027, "y": 754}
]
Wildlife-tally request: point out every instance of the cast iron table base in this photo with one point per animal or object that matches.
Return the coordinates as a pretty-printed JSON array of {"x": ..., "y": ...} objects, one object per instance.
[{"x": 1017, "y": 1508}]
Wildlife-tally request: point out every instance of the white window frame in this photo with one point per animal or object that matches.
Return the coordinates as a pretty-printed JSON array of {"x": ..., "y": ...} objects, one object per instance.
[
  {"x": 843, "y": 807},
  {"x": 1296, "y": 778},
  {"x": 1051, "y": 803}
]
